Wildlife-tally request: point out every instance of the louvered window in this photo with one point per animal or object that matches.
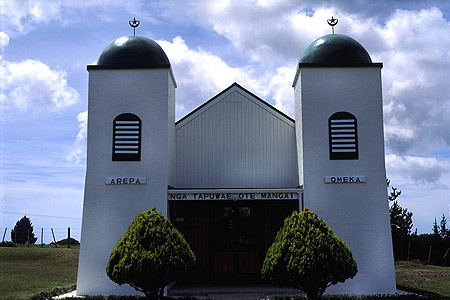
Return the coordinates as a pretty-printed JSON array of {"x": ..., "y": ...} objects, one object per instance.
[
  {"x": 127, "y": 138},
  {"x": 343, "y": 136}
]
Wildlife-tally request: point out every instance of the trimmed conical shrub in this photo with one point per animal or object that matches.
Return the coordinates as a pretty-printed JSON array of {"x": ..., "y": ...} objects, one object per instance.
[
  {"x": 151, "y": 254},
  {"x": 307, "y": 255}
]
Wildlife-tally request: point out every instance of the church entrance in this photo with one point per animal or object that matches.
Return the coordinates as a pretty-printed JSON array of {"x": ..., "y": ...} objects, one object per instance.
[
  {"x": 238, "y": 239},
  {"x": 229, "y": 238}
]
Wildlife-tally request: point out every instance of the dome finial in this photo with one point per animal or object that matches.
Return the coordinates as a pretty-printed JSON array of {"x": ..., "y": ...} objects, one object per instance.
[
  {"x": 332, "y": 22},
  {"x": 135, "y": 23}
]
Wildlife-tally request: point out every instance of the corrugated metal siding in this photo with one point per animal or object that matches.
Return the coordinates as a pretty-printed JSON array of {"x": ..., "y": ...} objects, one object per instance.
[{"x": 236, "y": 141}]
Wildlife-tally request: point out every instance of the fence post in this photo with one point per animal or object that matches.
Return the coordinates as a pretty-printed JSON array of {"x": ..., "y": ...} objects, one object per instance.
[
  {"x": 54, "y": 240},
  {"x": 68, "y": 237},
  {"x": 429, "y": 256},
  {"x": 42, "y": 237},
  {"x": 6, "y": 228},
  {"x": 445, "y": 255}
]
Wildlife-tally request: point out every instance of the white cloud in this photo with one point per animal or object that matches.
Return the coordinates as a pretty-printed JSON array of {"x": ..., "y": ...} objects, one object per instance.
[
  {"x": 32, "y": 86},
  {"x": 20, "y": 16},
  {"x": 416, "y": 89},
  {"x": 4, "y": 41},
  {"x": 400, "y": 134},
  {"x": 412, "y": 44},
  {"x": 200, "y": 75},
  {"x": 283, "y": 92},
  {"x": 424, "y": 183},
  {"x": 77, "y": 152},
  {"x": 420, "y": 170},
  {"x": 270, "y": 34},
  {"x": 276, "y": 33},
  {"x": 23, "y": 16}
]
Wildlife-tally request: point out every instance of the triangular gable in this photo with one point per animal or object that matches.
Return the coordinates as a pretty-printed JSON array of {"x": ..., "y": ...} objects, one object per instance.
[
  {"x": 235, "y": 87},
  {"x": 236, "y": 140}
]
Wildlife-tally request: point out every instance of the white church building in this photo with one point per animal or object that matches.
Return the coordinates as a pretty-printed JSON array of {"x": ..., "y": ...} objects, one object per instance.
[{"x": 229, "y": 172}]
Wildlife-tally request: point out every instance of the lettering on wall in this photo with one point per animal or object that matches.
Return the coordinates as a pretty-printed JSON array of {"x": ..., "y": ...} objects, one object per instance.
[
  {"x": 345, "y": 179},
  {"x": 125, "y": 180},
  {"x": 234, "y": 196}
]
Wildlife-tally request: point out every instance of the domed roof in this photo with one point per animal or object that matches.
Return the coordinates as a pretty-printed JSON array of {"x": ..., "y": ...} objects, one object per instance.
[
  {"x": 335, "y": 49},
  {"x": 133, "y": 52}
]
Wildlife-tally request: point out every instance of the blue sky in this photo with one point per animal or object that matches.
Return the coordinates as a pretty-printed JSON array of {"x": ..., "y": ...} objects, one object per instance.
[{"x": 46, "y": 45}]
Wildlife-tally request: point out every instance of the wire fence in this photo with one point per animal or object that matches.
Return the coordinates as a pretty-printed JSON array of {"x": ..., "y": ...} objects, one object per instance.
[
  {"x": 427, "y": 249},
  {"x": 69, "y": 236}
]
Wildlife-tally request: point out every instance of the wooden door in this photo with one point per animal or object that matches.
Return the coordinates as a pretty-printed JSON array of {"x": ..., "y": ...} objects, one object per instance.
[
  {"x": 229, "y": 239},
  {"x": 192, "y": 219},
  {"x": 237, "y": 239}
]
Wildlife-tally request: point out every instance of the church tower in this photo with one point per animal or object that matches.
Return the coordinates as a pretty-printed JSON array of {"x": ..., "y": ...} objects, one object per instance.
[
  {"x": 130, "y": 151},
  {"x": 340, "y": 145}
]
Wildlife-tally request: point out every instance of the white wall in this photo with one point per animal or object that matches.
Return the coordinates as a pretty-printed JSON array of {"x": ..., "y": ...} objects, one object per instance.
[
  {"x": 358, "y": 213},
  {"x": 171, "y": 130},
  {"x": 236, "y": 141},
  {"x": 109, "y": 209}
]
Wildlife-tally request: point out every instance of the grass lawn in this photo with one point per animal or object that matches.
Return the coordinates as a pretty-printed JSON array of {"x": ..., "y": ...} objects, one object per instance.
[
  {"x": 25, "y": 271},
  {"x": 417, "y": 276}
]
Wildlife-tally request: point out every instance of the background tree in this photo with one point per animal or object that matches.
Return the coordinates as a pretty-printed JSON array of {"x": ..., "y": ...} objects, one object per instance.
[
  {"x": 19, "y": 234},
  {"x": 443, "y": 231},
  {"x": 151, "y": 254},
  {"x": 393, "y": 195},
  {"x": 401, "y": 224},
  {"x": 436, "y": 228},
  {"x": 307, "y": 255},
  {"x": 401, "y": 220}
]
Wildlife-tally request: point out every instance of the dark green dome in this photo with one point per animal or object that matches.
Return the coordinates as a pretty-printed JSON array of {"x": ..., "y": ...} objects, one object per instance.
[
  {"x": 336, "y": 49},
  {"x": 133, "y": 52}
]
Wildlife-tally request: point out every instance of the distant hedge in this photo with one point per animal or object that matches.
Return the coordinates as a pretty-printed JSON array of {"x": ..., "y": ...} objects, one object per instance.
[
  {"x": 73, "y": 242},
  {"x": 8, "y": 244}
]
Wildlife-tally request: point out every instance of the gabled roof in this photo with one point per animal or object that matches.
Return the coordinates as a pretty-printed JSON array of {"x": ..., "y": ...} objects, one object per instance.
[
  {"x": 236, "y": 140},
  {"x": 234, "y": 87}
]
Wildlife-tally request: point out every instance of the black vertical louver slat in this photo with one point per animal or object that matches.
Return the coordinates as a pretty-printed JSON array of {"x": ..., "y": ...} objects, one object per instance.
[
  {"x": 127, "y": 138},
  {"x": 343, "y": 136}
]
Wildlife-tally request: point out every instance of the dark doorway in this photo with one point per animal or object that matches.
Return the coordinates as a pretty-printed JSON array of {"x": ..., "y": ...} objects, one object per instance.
[
  {"x": 237, "y": 239},
  {"x": 230, "y": 238}
]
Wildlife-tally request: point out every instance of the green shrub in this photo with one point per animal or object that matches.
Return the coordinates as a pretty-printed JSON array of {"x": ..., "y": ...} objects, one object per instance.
[
  {"x": 8, "y": 244},
  {"x": 151, "y": 254},
  {"x": 307, "y": 255},
  {"x": 55, "y": 292},
  {"x": 63, "y": 242}
]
